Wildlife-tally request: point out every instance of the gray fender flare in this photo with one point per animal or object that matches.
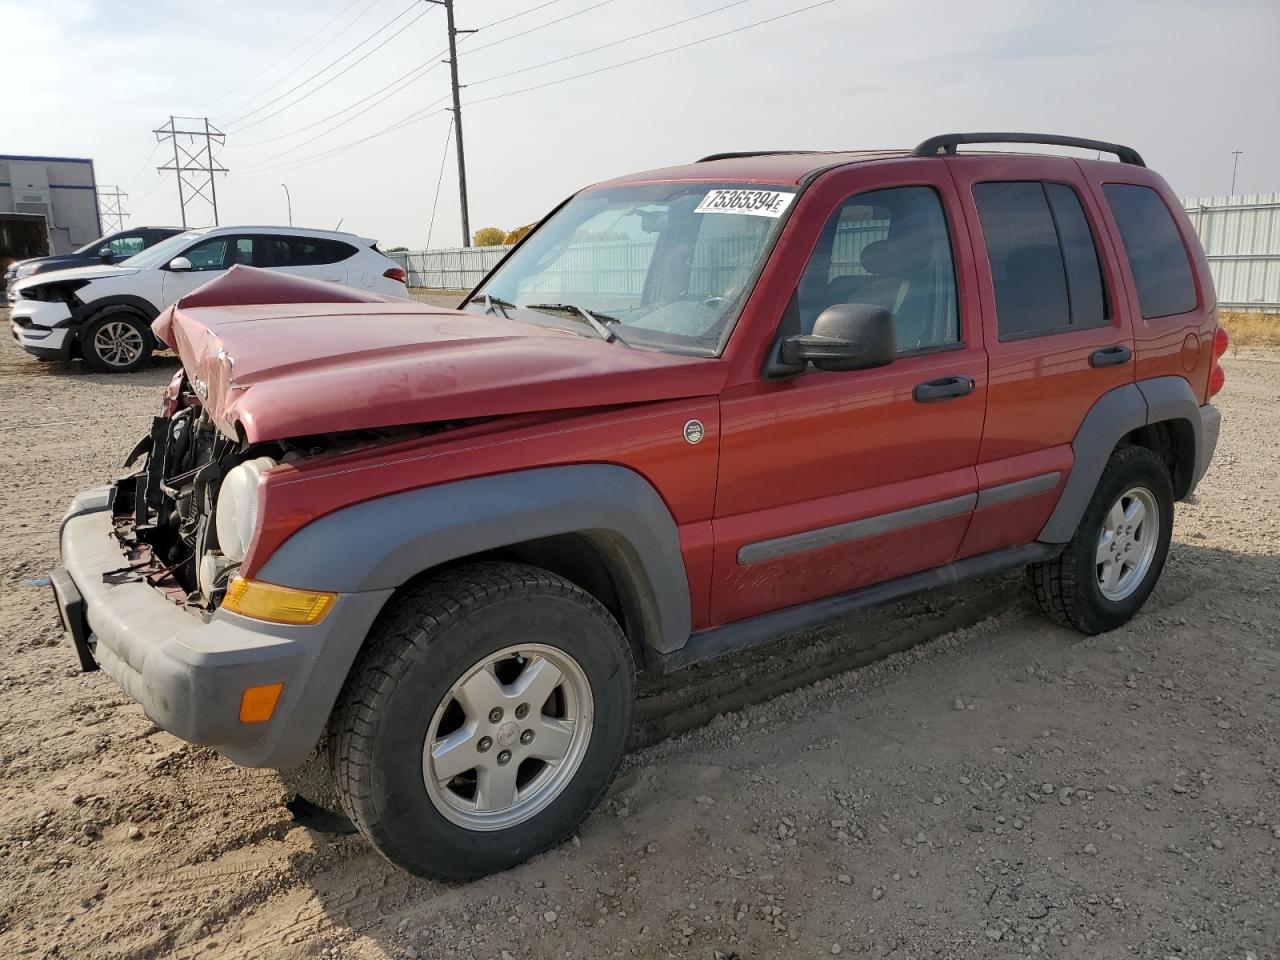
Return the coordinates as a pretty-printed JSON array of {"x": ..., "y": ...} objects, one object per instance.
[
  {"x": 380, "y": 544},
  {"x": 1115, "y": 414}
]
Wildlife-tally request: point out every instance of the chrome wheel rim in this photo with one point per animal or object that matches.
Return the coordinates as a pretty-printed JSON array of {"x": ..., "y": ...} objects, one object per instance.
[
  {"x": 1127, "y": 543},
  {"x": 508, "y": 737},
  {"x": 118, "y": 343}
]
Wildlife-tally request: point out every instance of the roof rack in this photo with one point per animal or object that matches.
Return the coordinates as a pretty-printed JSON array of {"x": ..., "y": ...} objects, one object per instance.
[
  {"x": 749, "y": 153},
  {"x": 947, "y": 142}
]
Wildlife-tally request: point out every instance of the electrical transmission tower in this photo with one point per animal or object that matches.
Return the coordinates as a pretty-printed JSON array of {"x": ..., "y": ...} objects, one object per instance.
[
  {"x": 194, "y": 163},
  {"x": 111, "y": 209}
]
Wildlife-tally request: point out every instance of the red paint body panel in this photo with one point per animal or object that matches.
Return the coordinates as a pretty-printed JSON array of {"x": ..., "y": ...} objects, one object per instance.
[
  {"x": 779, "y": 457},
  {"x": 289, "y": 371}
]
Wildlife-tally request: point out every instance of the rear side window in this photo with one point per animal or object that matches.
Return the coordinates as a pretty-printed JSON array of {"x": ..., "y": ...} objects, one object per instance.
[
  {"x": 1157, "y": 258},
  {"x": 1044, "y": 262},
  {"x": 284, "y": 251}
]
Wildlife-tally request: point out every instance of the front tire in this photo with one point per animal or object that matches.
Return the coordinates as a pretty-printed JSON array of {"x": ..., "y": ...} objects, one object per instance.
[
  {"x": 484, "y": 719},
  {"x": 1109, "y": 568},
  {"x": 116, "y": 340}
]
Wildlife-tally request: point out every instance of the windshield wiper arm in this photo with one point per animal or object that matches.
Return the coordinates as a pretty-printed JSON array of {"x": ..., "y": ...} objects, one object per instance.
[
  {"x": 596, "y": 320},
  {"x": 491, "y": 302}
]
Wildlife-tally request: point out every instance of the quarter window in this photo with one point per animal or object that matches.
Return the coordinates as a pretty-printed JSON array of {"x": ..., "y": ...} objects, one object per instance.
[
  {"x": 1044, "y": 262},
  {"x": 887, "y": 248},
  {"x": 1157, "y": 257}
]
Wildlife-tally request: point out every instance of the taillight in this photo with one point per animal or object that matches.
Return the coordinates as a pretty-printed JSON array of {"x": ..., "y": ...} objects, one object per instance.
[
  {"x": 1218, "y": 376},
  {"x": 395, "y": 273}
]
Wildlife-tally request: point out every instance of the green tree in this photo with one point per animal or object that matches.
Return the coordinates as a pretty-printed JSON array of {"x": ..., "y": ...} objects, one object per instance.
[{"x": 489, "y": 236}]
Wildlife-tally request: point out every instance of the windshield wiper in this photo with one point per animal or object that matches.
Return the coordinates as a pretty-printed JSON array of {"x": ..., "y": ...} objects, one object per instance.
[
  {"x": 596, "y": 320},
  {"x": 491, "y": 302}
]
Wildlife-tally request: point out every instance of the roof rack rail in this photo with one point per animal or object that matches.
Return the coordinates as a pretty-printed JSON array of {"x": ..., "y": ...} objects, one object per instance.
[
  {"x": 947, "y": 142},
  {"x": 738, "y": 155}
]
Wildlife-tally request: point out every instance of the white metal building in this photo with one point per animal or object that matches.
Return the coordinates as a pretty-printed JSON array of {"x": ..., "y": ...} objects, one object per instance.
[
  {"x": 1241, "y": 238},
  {"x": 63, "y": 190}
]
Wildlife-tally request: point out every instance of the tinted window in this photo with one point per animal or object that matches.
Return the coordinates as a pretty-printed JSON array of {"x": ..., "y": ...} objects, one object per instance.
[
  {"x": 1084, "y": 274},
  {"x": 281, "y": 251},
  {"x": 1157, "y": 257},
  {"x": 1044, "y": 263},
  {"x": 126, "y": 246},
  {"x": 887, "y": 248}
]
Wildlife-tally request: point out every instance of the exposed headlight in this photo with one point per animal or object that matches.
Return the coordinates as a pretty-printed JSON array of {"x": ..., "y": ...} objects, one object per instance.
[
  {"x": 26, "y": 270},
  {"x": 237, "y": 514}
]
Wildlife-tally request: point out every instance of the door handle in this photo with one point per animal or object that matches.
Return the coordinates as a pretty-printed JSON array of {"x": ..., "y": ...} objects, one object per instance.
[
  {"x": 1110, "y": 356},
  {"x": 946, "y": 388}
]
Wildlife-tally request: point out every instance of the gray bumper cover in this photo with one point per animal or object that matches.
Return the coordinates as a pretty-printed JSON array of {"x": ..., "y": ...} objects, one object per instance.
[{"x": 188, "y": 673}]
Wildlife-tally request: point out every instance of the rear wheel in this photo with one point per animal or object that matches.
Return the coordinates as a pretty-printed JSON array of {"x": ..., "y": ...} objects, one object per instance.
[
  {"x": 1111, "y": 565},
  {"x": 483, "y": 721},
  {"x": 117, "y": 340}
]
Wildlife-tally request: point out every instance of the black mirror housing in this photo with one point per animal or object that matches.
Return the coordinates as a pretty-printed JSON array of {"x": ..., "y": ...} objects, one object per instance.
[{"x": 846, "y": 336}]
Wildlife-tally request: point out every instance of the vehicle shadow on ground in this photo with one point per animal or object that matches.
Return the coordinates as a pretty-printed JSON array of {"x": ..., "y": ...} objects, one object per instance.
[{"x": 354, "y": 890}]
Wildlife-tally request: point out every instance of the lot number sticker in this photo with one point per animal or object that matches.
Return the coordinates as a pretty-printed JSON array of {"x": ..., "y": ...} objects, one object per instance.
[{"x": 755, "y": 203}]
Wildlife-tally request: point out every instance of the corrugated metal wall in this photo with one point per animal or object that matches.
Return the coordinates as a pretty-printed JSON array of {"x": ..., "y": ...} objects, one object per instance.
[{"x": 1241, "y": 238}]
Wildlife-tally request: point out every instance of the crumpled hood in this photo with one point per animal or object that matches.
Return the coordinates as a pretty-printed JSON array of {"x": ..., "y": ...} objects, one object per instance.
[
  {"x": 277, "y": 371},
  {"x": 96, "y": 272}
]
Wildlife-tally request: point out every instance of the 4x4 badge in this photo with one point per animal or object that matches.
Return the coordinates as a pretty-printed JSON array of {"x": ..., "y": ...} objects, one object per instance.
[{"x": 693, "y": 431}]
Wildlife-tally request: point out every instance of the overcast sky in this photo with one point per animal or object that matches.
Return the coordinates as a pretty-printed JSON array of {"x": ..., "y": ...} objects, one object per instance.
[{"x": 1183, "y": 82}]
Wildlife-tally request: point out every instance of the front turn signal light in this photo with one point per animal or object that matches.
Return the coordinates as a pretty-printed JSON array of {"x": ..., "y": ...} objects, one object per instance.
[{"x": 276, "y": 604}]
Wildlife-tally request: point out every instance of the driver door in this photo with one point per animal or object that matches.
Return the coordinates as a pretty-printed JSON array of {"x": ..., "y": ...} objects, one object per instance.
[
  {"x": 831, "y": 481},
  {"x": 209, "y": 258}
]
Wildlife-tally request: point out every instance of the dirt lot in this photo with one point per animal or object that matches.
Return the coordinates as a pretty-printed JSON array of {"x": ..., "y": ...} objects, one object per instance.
[{"x": 1004, "y": 788}]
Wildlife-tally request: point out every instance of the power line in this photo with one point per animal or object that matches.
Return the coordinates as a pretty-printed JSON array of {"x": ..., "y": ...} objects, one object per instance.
[
  {"x": 412, "y": 76},
  {"x": 541, "y": 26},
  {"x": 511, "y": 93},
  {"x": 522, "y": 13},
  {"x": 611, "y": 43},
  {"x": 328, "y": 66},
  {"x": 142, "y": 169},
  {"x": 324, "y": 155},
  {"x": 444, "y": 155},
  {"x": 650, "y": 56},
  {"x": 285, "y": 56}
]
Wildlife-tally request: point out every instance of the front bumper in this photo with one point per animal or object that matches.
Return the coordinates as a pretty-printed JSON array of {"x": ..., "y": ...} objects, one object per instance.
[
  {"x": 189, "y": 673},
  {"x": 35, "y": 327}
]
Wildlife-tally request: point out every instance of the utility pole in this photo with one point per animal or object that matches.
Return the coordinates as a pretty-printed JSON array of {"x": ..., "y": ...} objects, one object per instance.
[
  {"x": 457, "y": 115},
  {"x": 1235, "y": 163},
  {"x": 193, "y": 162},
  {"x": 111, "y": 208}
]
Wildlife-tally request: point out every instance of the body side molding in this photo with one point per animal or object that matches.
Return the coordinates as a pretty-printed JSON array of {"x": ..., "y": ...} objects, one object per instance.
[
  {"x": 794, "y": 543},
  {"x": 385, "y": 542}
]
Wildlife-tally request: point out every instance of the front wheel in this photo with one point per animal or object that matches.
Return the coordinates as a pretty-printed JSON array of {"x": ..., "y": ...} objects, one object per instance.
[
  {"x": 483, "y": 721},
  {"x": 117, "y": 340},
  {"x": 1109, "y": 568}
]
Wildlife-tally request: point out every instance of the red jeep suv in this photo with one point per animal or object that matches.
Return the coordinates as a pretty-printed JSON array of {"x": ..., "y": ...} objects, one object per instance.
[{"x": 694, "y": 409}]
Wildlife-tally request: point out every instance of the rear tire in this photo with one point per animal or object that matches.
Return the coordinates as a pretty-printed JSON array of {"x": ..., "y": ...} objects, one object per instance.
[
  {"x": 453, "y": 776},
  {"x": 1111, "y": 565}
]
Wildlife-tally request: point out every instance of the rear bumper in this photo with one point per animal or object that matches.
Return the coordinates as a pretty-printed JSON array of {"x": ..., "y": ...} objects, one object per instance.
[{"x": 189, "y": 673}]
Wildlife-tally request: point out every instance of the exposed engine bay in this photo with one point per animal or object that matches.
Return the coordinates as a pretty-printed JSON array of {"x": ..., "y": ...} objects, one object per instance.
[{"x": 186, "y": 516}]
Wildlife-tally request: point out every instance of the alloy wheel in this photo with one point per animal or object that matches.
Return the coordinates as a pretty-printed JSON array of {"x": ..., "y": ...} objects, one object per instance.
[
  {"x": 1127, "y": 543},
  {"x": 508, "y": 737},
  {"x": 118, "y": 343}
]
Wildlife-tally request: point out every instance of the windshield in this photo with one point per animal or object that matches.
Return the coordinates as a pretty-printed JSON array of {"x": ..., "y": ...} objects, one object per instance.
[
  {"x": 161, "y": 253},
  {"x": 668, "y": 264}
]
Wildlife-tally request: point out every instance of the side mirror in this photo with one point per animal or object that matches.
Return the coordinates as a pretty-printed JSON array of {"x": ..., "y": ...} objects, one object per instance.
[
  {"x": 846, "y": 336},
  {"x": 105, "y": 254},
  {"x": 180, "y": 263}
]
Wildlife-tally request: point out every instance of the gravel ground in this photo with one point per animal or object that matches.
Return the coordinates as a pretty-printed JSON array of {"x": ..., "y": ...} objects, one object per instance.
[{"x": 1003, "y": 788}]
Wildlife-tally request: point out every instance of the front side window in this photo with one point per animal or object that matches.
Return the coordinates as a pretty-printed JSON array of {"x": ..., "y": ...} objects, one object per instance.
[
  {"x": 126, "y": 246},
  {"x": 1044, "y": 263},
  {"x": 887, "y": 248},
  {"x": 220, "y": 253},
  {"x": 1156, "y": 255},
  {"x": 665, "y": 265},
  {"x": 161, "y": 253}
]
